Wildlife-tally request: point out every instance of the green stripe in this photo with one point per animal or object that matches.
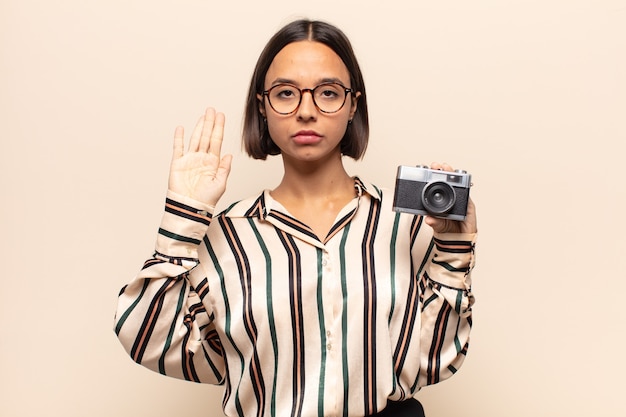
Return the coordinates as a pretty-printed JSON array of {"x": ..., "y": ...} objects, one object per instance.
[
  {"x": 227, "y": 316},
  {"x": 180, "y": 238},
  {"x": 168, "y": 341},
  {"x": 392, "y": 263},
  {"x": 392, "y": 279},
  {"x": 124, "y": 316},
  {"x": 344, "y": 318},
  {"x": 320, "y": 314},
  {"x": 270, "y": 309},
  {"x": 459, "y": 300},
  {"x": 449, "y": 267},
  {"x": 457, "y": 307},
  {"x": 426, "y": 257}
]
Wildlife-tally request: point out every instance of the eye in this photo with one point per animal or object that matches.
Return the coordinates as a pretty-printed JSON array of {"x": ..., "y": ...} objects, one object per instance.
[
  {"x": 329, "y": 92},
  {"x": 284, "y": 92}
]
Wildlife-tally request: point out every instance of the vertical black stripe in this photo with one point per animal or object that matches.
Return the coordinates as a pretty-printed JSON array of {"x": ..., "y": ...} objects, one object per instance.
[
  {"x": 189, "y": 370},
  {"x": 369, "y": 310},
  {"x": 297, "y": 320},
  {"x": 150, "y": 320},
  {"x": 344, "y": 321},
  {"x": 408, "y": 326},
  {"x": 168, "y": 340},
  {"x": 243, "y": 266},
  {"x": 434, "y": 356},
  {"x": 270, "y": 310},
  {"x": 227, "y": 328}
]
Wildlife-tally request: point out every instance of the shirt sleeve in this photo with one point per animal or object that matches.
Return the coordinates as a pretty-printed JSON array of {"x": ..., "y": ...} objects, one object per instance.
[
  {"x": 160, "y": 319},
  {"x": 446, "y": 315}
]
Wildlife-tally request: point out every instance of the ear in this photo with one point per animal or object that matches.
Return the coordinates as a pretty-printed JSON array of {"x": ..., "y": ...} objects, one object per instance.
[
  {"x": 353, "y": 101},
  {"x": 261, "y": 105}
]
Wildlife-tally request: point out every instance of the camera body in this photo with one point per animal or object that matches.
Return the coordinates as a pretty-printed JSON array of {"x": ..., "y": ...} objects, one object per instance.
[{"x": 421, "y": 190}]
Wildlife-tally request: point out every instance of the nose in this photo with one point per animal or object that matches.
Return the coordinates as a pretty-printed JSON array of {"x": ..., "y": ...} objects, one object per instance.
[{"x": 307, "y": 109}]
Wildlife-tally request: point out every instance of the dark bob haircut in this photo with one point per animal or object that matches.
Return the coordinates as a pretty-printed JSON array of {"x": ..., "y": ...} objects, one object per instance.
[{"x": 256, "y": 140}]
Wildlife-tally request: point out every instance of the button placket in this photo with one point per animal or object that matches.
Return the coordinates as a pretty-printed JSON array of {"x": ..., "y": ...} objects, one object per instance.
[{"x": 332, "y": 307}]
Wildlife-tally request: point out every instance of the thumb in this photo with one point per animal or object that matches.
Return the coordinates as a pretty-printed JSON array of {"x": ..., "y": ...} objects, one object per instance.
[
  {"x": 178, "y": 142},
  {"x": 224, "y": 168},
  {"x": 438, "y": 225}
]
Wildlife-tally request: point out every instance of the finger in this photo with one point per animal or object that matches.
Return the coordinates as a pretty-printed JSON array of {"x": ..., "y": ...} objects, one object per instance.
[
  {"x": 217, "y": 135},
  {"x": 441, "y": 166},
  {"x": 431, "y": 221},
  {"x": 446, "y": 167},
  {"x": 438, "y": 225},
  {"x": 194, "y": 142},
  {"x": 179, "y": 139},
  {"x": 224, "y": 168},
  {"x": 207, "y": 130},
  {"x": 470, "y": 219}
]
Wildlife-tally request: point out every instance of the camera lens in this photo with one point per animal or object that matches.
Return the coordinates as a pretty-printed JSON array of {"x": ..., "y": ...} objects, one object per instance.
[{"x": 438, "y": 198}]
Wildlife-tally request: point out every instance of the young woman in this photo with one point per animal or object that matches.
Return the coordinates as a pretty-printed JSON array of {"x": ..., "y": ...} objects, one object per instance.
[{"x": 314, "y": 298}]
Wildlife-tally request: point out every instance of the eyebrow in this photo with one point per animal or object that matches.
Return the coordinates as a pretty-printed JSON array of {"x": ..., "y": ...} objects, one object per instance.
[{"x": 292, "y": 82}]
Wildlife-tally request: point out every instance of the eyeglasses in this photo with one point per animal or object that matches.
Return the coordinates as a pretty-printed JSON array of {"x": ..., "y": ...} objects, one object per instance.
[{"x": 328, "y": 97}]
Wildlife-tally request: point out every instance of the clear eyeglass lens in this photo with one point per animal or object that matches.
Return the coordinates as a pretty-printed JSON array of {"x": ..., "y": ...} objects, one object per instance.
[{"x": 329, "y": 98}]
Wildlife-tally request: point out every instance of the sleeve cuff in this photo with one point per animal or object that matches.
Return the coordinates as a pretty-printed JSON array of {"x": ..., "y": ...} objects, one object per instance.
[
  {"x": 183, "y": 226},
  {"x": 453, "y": 259}
]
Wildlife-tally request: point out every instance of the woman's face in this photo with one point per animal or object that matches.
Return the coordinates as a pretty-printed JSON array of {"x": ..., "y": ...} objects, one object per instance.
[{"x": 308, "y": 134}]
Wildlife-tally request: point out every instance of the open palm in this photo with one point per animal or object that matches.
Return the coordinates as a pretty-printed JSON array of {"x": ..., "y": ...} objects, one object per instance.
[{"x": 201, "y": 172}]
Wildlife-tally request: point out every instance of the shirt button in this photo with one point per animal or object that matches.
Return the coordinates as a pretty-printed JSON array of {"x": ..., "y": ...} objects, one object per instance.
[
  {"x": 324, "y": 262},
  {"x": 329, "y": 346}
]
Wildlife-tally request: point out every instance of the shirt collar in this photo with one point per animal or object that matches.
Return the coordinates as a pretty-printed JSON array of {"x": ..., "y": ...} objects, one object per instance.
[
  {"x": 260, "y": 206},
  {"x": 370, "y": 189}
]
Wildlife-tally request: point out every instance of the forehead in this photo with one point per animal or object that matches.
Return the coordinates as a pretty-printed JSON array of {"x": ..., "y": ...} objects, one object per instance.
[{"x": 307, "y": 62}]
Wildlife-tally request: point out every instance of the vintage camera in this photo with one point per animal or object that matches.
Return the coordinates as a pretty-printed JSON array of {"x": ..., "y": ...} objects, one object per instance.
[{"x": 421, "y": 190}]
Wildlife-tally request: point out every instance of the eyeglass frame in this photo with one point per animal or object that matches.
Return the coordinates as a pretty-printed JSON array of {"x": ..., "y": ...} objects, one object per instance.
[{"x": 346, "y": 91}]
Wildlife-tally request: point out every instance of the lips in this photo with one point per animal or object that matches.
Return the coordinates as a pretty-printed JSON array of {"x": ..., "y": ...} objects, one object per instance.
[{"x": 307, "y": 137}]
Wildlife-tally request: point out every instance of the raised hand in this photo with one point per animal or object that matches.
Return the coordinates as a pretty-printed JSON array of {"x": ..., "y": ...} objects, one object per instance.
[
  {"x": 453, "y": 226},
  {"x": 201, "y": 172}
]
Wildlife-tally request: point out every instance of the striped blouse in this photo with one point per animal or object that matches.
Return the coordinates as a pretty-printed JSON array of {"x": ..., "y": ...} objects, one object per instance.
[{"x": 292, "y": 325}]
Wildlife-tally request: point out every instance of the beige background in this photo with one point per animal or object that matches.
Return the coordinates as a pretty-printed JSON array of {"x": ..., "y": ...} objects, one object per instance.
[{"x": 528, "y": 96}]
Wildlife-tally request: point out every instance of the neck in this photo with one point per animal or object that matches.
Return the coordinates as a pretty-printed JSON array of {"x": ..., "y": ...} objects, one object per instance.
[
  {"x": 308, "y": 181},
  {"x": 315, "y": 193}
]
